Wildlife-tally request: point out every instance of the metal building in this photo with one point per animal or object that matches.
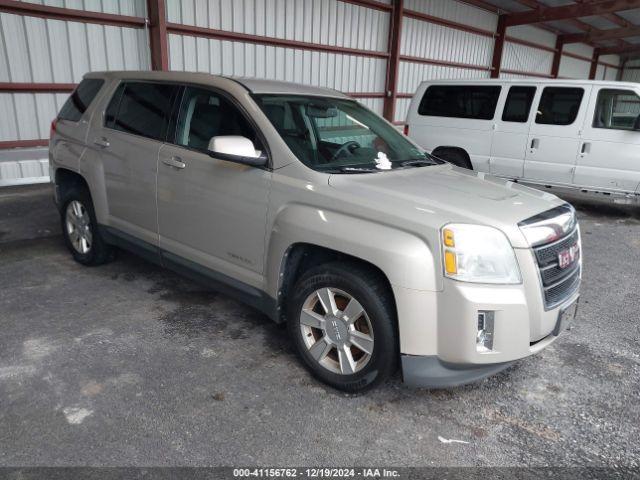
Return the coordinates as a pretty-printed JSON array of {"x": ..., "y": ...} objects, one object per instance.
[{"x": 376, "y": 50}]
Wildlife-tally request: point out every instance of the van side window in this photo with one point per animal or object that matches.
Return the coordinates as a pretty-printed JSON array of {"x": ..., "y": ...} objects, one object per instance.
[
  {"x": 617, "y": 109},
  {"x": 205, "y": 114},
  {"x": 559, "y": 105},
  {"x": 460, "y": 101},
  {"x": 518, "y": 104},
  {"x": 80, "y": 99},
  {"x": 141, "y": 108}
]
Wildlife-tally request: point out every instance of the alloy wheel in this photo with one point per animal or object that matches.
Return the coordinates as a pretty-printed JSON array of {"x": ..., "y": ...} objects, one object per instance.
[
  {"x": 336, "y": 331},
  {"x": 78, "y": 225}
]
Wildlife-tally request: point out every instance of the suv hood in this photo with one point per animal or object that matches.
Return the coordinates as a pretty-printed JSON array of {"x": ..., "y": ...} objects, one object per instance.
[{"x": 437, "y": 195}]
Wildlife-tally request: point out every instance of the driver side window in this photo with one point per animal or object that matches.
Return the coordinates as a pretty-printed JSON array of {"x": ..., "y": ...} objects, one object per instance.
[
  {"x": 205, "y": 114},
  {"x": 617, "y": 110}
]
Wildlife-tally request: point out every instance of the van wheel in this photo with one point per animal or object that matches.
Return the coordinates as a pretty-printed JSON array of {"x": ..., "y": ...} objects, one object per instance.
[
  {"x": 80, "y": 229},
  {"x": 342, "y": 321},
  {"x": 456, "y": 157}
]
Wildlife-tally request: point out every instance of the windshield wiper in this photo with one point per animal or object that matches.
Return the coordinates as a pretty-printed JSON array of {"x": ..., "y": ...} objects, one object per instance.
[
  {"x": 417, "y": 162},
  {"x": 358, "y": 169}
]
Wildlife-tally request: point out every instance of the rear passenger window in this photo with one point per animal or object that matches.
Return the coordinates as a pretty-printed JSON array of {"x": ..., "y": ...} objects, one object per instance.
[
  {"x": 460, "y": 101},
  {"x": 80, "y": 99},
  {"x": 518, "y": 104},
  {"x": 141, "y": 109},
  {"x": 559, "y": 105},
  {"x": 205, "y": 114}
]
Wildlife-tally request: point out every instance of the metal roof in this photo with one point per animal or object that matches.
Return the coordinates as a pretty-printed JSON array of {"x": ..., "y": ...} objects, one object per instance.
[{"x": 587, "y": 18}]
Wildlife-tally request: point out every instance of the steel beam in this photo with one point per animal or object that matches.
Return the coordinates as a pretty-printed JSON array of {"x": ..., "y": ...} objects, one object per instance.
[
  {"x": 393, "y": 61},
  {"x": 498, "y": 46},
  {"x": 69, "y": 14},
  {"x": 546, "y": 14}
]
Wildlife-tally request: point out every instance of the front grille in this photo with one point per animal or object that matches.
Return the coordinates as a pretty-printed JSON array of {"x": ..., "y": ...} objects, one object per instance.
[{"x": 558, "y": 283}]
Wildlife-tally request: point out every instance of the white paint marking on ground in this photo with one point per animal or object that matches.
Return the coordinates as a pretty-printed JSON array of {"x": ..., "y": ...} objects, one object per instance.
[
  {"x": 450, "y": 440},
  {"x": 75, "y": 415},
  {"x": 37, "y": 348},
  {"x": 16, "y": 371}
]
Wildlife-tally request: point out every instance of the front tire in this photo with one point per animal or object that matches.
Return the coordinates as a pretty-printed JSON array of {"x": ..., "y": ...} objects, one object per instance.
[
  {"x": 80, "y": 229},
  {"x": 342, "y": 321}
]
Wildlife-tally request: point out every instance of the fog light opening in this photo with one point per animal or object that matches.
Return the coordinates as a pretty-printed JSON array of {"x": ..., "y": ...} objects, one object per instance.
[{"x": 484, "y": 337}]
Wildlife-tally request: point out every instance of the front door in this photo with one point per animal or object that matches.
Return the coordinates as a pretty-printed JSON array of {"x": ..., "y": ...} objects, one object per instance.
[
  {"x": 511, "y": 133},
  {"x": 212, "y": 212},
  {"x": 609, "y": 156},
  {"x": 554, "y": 135}
]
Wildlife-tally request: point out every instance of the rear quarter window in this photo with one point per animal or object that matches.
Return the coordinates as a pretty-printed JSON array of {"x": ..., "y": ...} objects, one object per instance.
[
  {"x": 460, "y": 101},
  {"x": 80, "y": 99}
]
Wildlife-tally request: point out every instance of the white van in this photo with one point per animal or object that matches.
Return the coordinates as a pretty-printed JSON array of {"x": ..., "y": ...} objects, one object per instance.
[{"x": 581, "y": 134}]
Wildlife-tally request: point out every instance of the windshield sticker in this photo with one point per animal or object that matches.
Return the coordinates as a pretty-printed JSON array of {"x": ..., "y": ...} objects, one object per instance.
[{"x": 382, "y": 161}]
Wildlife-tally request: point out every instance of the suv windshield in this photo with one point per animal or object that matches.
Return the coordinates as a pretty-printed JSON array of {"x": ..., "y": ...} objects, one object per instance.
[{"x": 339, "y": 135}]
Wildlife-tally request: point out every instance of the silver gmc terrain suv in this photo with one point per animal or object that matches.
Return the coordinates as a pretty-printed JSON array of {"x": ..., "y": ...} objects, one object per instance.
[{"x": 306, "y": 205}]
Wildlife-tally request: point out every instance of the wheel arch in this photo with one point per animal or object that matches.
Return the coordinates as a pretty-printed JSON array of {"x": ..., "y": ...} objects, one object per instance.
[
  {"x": 442, "y": 151},
  {"x": 301, "y": 256},
  {"x": 65, "y": 180}
]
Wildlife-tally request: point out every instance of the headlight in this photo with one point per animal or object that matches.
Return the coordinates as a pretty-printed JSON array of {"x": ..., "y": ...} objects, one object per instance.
[{"x": 479, "y": 254}]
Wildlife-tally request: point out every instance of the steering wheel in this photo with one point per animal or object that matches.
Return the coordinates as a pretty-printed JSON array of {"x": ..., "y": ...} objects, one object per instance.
[{"x": 349, "y": 147}]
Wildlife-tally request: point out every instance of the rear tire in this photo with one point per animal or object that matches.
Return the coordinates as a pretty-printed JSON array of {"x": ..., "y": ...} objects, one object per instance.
[
  {"x": 454, "y": 156},
  {"x": 80, "y": 229},
  {"x": 353, "y": 344}
]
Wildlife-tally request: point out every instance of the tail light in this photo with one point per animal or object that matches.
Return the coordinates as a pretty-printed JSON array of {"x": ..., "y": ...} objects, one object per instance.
[
  {"x": 54, "y": 122},
  {"x": 406, "y": 130}
]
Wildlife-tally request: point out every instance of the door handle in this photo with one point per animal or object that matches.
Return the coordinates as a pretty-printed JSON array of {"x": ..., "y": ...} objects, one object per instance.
[
  {"x": 175, "y": 162},
  {"x": 534, "y": 143},
  {"x": 101, "y": 142},
  {"x": 586, "y": 147}
]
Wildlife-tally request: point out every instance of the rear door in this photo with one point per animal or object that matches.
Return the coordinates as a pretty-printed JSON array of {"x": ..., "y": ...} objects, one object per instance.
[
  {"x": 211, "y": 212},
  {"x": 509, "y": 144},
  {"x": 135, "y": 125},
  {"x": 609, "y": 156},
  {"x": 554, "y": 136}
]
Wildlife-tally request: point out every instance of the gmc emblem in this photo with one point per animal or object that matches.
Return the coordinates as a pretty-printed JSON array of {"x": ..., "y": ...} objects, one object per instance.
[{"x": 568, "y": 256}]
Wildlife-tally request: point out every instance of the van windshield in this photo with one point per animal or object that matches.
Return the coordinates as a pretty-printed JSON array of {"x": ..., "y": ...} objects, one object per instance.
[{"x": 339, "y": 135}]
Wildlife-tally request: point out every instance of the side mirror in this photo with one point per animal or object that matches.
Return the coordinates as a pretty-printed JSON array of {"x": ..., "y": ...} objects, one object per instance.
[{"x": 234, "y": 148}]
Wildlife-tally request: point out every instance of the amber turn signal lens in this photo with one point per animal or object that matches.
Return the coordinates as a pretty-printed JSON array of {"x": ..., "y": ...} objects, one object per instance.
[
  {"x": 450, "y": 263},
  {"x": 447, "y": 237}
]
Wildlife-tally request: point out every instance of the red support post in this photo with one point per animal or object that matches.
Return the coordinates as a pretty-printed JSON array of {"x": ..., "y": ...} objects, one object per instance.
[
  {"x": 393, "y": 62},
  {"x": 498, "y": 46},
  {"x": 158, "y": 38},
  {"x": 557, "y": 56},
  {"x": 621, "y": 69},
  {"x": 594, "y": 64}
]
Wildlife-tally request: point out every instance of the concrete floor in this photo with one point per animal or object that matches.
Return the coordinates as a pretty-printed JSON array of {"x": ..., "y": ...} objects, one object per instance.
[{"x": 127, "y": 364}]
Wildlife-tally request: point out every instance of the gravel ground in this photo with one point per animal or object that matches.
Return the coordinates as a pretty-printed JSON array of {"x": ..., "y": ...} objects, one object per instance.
[{"x": 127, "y": 364}]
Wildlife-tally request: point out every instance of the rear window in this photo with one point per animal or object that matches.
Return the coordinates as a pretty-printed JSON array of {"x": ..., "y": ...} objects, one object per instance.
[
  {"x": 460, "y": 101},
  {"x": 518, "y": 104},
  {"x": 141, "y": 108},
  {"x": 559, "y": 105},
  {"x": 80, "y": 99}
]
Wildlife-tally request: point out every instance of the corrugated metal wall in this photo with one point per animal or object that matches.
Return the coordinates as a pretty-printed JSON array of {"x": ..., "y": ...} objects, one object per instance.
[
  {"x": 524, "y": 58},
  {"x": 38, "y": 50},
  {"x": 324, "y": 22},
  {"x": 440, "y": 39}
]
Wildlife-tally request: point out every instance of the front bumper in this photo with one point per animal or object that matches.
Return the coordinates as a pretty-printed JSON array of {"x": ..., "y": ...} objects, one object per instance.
[
  {"x": 438, "y": 330},
  {"x": 431, "y": 372}
]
